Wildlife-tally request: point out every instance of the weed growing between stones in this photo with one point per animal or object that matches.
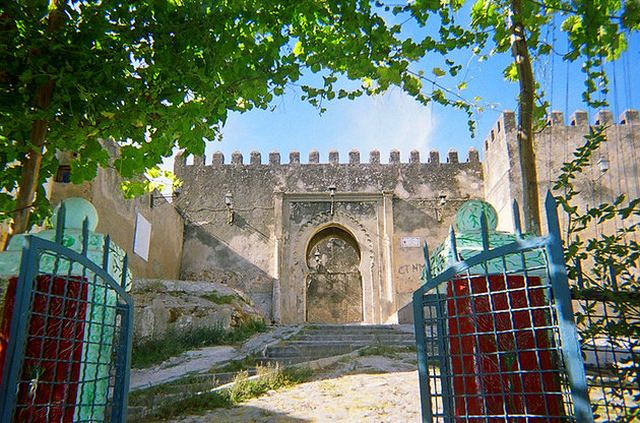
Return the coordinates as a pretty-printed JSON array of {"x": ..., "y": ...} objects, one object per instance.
[
  {"x": 148, "y": 397},
  {"x": 237, "y": 365},
  {"x": 385, "y": 350},
  {"x": 244, "y": 388},
  {"x": 216, "y": 298},
  {"x": 175, "y": 342}
]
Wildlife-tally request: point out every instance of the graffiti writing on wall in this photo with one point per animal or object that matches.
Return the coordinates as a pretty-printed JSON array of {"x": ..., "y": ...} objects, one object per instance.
[{"x": 407, "y": 269}]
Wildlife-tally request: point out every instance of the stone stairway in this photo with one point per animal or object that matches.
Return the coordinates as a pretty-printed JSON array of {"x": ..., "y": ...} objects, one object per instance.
[{"x": 320, "y": 341}]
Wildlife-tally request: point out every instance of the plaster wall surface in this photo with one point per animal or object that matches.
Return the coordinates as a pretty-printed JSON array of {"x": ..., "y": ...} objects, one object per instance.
[
  {"x": 390, "y": 209},
  {"x": 117, "y": 217}
]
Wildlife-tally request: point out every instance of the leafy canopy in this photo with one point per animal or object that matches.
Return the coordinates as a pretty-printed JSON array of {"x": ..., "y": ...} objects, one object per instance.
[{"x": 157, "y": 74}]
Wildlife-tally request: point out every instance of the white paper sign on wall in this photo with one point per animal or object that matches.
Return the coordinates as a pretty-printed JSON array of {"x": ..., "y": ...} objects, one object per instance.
[
  {"x": 142, "y": 237},
  {"x": 409, "y": 242}
]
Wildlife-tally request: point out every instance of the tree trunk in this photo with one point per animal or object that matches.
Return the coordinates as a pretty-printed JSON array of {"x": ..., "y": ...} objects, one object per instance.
[
  {"x": 520, "y": 52},
  {"x": 30, "y": 171}
]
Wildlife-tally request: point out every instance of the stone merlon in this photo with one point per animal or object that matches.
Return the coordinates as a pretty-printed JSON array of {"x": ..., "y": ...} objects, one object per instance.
[{"x": 237, "y": 159}]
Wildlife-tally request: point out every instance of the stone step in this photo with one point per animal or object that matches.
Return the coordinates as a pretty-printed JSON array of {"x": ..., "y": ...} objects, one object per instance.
[
  {"x": 382, "y": 338},
  {"x": 285, "y": 361},
  {"x": 311, "y": 343},
  {"x": 359, "y": 328},
  {"x": 320, "y": 341},
  {"x": 312, "y": 350}
]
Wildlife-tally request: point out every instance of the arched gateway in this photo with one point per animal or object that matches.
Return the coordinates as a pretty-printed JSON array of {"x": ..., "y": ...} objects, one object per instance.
[{"x": 334, "y": 281}]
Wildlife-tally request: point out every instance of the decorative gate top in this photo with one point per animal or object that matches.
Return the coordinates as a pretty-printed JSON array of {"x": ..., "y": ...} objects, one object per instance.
[
  {"x": 66, "y": 323},
  {"x": 495, "y": 332},
  {"x": 77, "y": 212},
  {"x": 469, "y": 240}
]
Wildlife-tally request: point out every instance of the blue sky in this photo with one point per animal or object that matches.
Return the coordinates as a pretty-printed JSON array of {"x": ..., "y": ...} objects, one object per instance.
[{"x": 395, "y": 121}]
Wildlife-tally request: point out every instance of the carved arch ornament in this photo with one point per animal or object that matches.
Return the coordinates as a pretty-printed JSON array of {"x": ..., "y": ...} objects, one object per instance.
[{"x": 368, "y": 264}]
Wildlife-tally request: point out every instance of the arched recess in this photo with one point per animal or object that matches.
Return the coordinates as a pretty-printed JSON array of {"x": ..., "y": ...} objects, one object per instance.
[
  {"x": 368, "y": 267},
  {"x": 333, "y": 280}
]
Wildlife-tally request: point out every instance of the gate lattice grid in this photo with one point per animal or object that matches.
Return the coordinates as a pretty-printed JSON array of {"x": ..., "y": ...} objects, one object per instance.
[
  {"x": 608, "y": 322},
  {"x": 501, "y": 346},
  {"x": 69, "y": 346}
]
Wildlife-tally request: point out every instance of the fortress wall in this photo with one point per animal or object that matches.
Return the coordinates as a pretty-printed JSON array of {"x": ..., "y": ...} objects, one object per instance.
[
  {"x": 555, "y": 145},
  {"x": 424, "y": 195},
  {"x": 502, "y": 180},
  {"x": 557, "y": 142}
]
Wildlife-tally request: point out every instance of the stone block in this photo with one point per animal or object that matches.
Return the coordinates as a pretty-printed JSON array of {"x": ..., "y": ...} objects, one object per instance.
[
  {"x": 354, "y": 157},
  {"x": 629, "y": 117},
  {"x": 236, "y": 158},
  {"x": 294, "y": 158},
  {"x": 603, "y": 117},
  {"x": 218, "y": 158},
  {"x": 474, "y": 156},
  {"x": 256, "y": 158},
  {"x": 556, "y": 118},
  {"x": 579, "y": 118}
]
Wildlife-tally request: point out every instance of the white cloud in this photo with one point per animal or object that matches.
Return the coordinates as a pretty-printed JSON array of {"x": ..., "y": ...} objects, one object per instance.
[
  {"x": 389, "y": 121},
  {"x": 386, "y": 122}
]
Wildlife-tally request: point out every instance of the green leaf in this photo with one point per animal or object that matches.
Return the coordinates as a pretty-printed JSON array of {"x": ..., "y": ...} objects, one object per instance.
[
  {"x": 438, "y": 72},
  {"x": 511, "y": 72}
]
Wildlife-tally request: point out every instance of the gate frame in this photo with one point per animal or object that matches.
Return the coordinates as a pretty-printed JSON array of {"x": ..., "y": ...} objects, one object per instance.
[
  {"x": 556, "y": 268},
  {"x": 29, "y": 270}
]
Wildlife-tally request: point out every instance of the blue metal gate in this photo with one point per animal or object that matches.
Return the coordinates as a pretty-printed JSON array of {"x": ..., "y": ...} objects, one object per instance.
[
  {"x": 495, "y": 333},
  {"x": 70, "y": 325}
]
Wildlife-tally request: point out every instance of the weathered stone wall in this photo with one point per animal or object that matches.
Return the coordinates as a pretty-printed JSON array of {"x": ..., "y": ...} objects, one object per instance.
[
  {"x": 390, "y": 210},
  {"x": 162, "y": 306},
  {"x": 556, "y": 145},
  {"x": 117, "y": 217}
]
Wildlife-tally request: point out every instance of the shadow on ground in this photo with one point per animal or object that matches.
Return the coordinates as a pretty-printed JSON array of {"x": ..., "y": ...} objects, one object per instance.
[{"x": 244, "y": 414}]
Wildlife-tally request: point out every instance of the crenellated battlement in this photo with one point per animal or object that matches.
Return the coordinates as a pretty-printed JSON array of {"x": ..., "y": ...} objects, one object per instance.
[
  {"x": 333, "y": 158},
  {"x": 613, "y": 168},
  {"x": 506, "y": 124}
]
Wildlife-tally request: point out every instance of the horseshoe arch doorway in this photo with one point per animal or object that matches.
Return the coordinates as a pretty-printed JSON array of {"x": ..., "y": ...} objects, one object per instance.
[{"x": 333, "y": 282}]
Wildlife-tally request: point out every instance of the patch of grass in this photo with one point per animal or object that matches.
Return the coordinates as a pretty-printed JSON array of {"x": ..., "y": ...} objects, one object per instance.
[
  {"x": 269, "y": 378},
  {"x": 245, "y": 330},
  {"x": 144, "y": 397},
  {"x": 236, "y": 365},
  {"x": 175, "y": 342},
  {"x": 216, "y": 298},
  {"x": 385, "y": 350}
]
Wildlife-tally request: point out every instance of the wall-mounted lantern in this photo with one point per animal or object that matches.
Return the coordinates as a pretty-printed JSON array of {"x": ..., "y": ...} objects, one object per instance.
[
  {"x": 332, "y": 195},
  {"x": 228, "y": 201},
  {"x": 603, "y": 165},
  {"x": 442, "y": 200}
]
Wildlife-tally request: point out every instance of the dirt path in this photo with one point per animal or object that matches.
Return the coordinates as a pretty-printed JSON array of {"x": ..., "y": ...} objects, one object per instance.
[{"x": 363, "y": 389}]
